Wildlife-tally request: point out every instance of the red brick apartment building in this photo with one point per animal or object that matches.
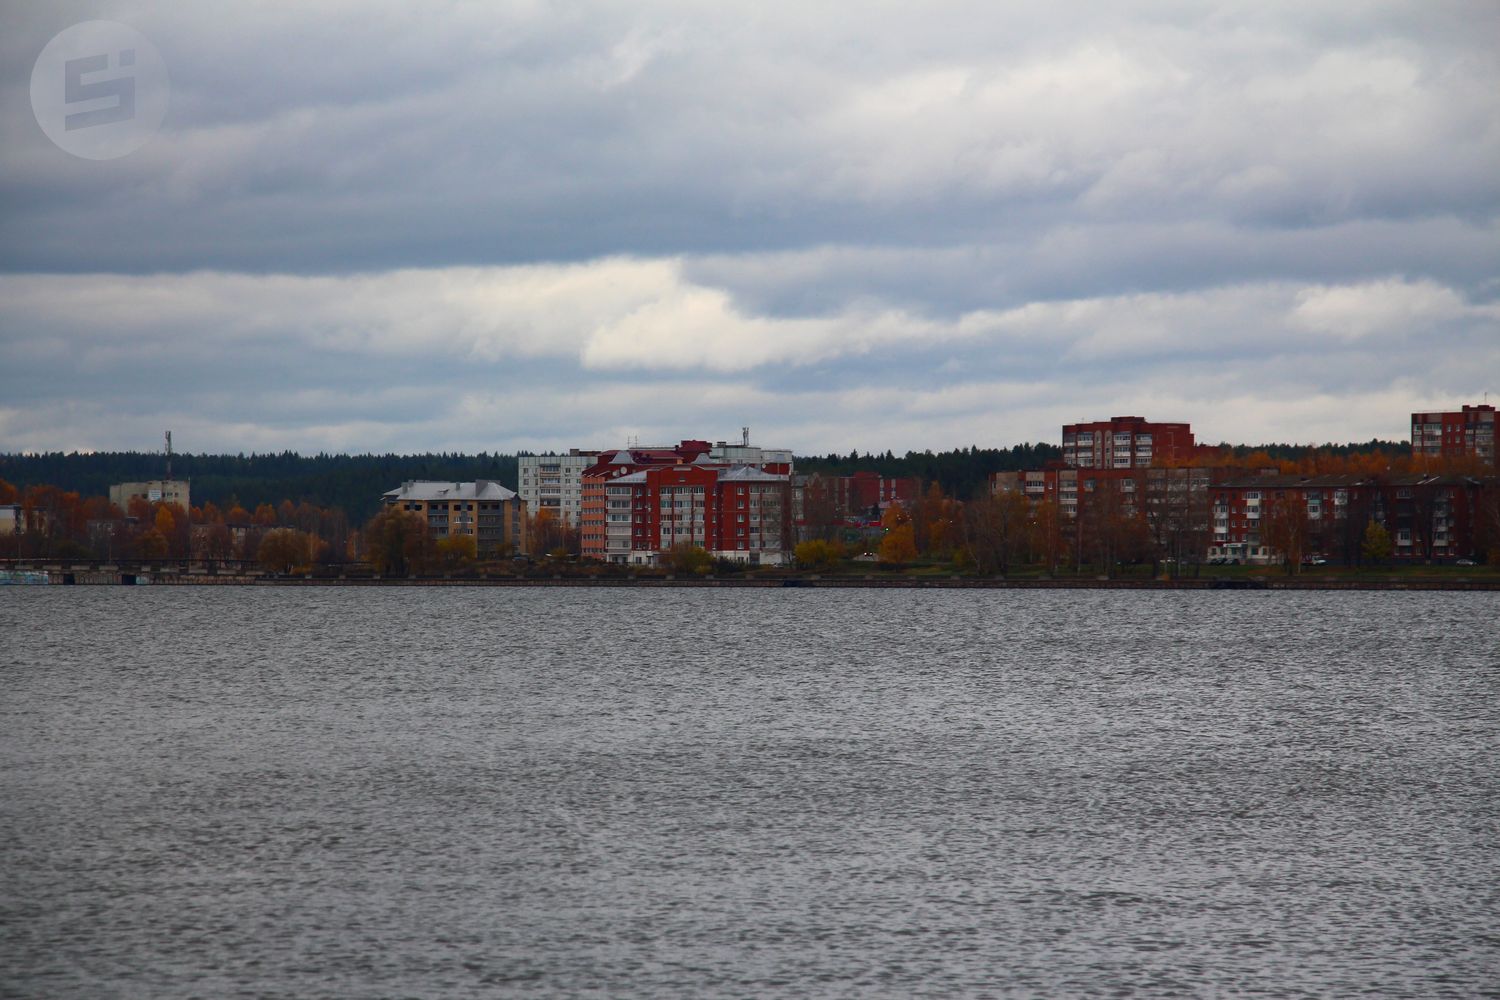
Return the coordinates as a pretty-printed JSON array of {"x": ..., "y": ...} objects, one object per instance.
[
  {"x": 868, "y": 494},
  {"x": 1455, "y": 433},
  {"x": 740, "y": 513},
  {"x": 607, "y": 530},
  {"x": 1428, "y": 517},
  {"x": 821, "y": 501},
  {"x": 1124, "y": 443}
]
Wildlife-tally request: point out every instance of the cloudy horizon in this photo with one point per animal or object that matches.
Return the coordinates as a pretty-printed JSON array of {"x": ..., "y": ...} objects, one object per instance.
[{"x": 362, "y": 228}]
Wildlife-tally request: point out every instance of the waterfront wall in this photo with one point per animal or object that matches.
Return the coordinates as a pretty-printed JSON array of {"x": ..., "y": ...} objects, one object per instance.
[{"x": 193, "y": 575}]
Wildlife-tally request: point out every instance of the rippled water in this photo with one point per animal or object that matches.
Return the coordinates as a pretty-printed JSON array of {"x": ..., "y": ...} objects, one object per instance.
[{"x": 482, "y": 792}]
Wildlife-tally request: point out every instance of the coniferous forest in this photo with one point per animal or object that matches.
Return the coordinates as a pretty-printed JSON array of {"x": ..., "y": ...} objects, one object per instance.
[{"x": 355, "y": 482}]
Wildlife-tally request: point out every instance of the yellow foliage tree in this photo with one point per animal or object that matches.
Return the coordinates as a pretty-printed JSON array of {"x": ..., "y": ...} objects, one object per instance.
[
  {"x": 895, "y": 515},
  {"x": 899, "y": 545},
  {"x": 457, "y": 551},
  {"x": 685, "y": 558},
  {"x": 818, "y": 554}
]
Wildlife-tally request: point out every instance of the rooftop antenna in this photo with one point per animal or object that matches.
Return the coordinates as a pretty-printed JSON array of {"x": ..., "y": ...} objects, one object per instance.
[
  {"x": 169, "y": 454},
  {"x": 745, "y": 436}
]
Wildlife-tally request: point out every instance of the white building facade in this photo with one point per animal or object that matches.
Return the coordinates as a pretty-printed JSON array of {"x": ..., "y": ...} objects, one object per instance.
[{"x": 554, "y": 483}]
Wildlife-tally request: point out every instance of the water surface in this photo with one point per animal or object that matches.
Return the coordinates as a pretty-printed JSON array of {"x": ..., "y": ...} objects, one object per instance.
[{"x": 481, "y": 792}]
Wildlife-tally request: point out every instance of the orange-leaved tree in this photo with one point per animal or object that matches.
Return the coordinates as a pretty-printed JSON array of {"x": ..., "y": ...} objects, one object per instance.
[{"x": 284, "y": 549}]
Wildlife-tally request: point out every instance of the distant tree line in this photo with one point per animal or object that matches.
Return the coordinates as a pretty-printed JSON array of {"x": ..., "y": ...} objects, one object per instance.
[
  {"x": 353, "y": 483},
  {"x": 963, "y": 472}
]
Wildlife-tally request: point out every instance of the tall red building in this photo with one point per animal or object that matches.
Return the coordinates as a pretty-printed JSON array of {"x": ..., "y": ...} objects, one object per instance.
[
  {"x": 1125, "y": 443},
  {"x": 738, "y": 512},
  {"x": 1455, "y": 433},
  {"x": 606, "y": 513}
]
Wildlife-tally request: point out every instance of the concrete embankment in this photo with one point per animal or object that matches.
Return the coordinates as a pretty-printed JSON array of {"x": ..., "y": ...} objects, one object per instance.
[{"x": 178, "y": 575}]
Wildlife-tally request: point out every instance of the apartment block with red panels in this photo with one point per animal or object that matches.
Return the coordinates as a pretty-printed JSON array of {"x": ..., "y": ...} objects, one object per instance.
[
  {"x": 606, "y": 531},
  {"x": 866, "y": 493},
  {"x": 739, "y": 513},
  {"x": 1428, "y": 517},
  {"x": 602, "y": 533},
  {"x": 1129, "y": 490},
  {"x": 1126, "y": 442},
  {"x": 1455, "y": 433}
]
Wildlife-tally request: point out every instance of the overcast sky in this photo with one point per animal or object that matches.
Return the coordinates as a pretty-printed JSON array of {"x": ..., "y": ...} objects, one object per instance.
[{"x": 495, "y": 226}]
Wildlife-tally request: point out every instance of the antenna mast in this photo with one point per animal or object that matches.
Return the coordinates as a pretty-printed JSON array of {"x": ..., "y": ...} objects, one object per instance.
[{"x": 169, "y": 454}]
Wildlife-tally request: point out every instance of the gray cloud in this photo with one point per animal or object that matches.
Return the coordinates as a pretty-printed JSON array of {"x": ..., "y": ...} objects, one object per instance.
[{"x": 369, "y": 226}]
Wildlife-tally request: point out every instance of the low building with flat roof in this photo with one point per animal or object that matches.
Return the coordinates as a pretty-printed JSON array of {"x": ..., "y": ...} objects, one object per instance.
[{"x": 175, "y": 491}]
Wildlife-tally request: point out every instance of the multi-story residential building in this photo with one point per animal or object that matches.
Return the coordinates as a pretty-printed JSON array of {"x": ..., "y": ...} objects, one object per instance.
[
  {"x": 554, "y": 483},
  {"x": 738, "y": 512},
  {"x": 868, "y": 494},
  {"x": 606, "y": 539},
  {"x": 492, "y": 514},
  {"x": 1125, "y": 443},
  {"x": 603, "y": 533},
  {"x": 1469, "y": 432},
  {"x": 1427, "y": 516},
  {"x": 1139, "y": 489},
  {"x": 1164, "y": 511},
  {"x": 10, "y": 518},
  {"x": 821, "y": 504},
  {"x": 176, "y": 491},
  {"x": 777, "y": 460}
]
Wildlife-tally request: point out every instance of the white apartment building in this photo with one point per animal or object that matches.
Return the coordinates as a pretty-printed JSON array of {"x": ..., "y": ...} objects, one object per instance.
[{"x": 555, "y": 483}]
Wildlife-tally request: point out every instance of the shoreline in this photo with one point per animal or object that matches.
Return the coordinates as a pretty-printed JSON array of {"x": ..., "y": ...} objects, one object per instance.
[{"x": 124, "y": 575}]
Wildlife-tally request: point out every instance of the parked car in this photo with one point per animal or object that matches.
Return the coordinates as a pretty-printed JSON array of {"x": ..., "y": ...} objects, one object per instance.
[{"x": 1465, "y": 562}]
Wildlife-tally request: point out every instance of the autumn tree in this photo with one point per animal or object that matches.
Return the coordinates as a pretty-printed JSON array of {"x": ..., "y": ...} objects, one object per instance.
[
  {"x": 1109, "y": 529},
  {"x": 457, "y": 552},
  {"x": 996, "y": 531},
  {"x": 397, "y": 543},
  {"x": 283, "y": 549},
  {"x": 935, "y": 527},
  {"x": 687, "y": 558},
  {"x": 818, "y": 554},
  {"x": 1047, "y": 533},
  {"x": 899, "y": 546},
  {"x": 216, "y": 542},
  {"x": 151, "y": 544},
  {"x": 821, "y": 517},
  {"x": 1377, "y": 546},
  {"x": 546, "y": 532},
  {"x": 1284, "y": 527}
]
